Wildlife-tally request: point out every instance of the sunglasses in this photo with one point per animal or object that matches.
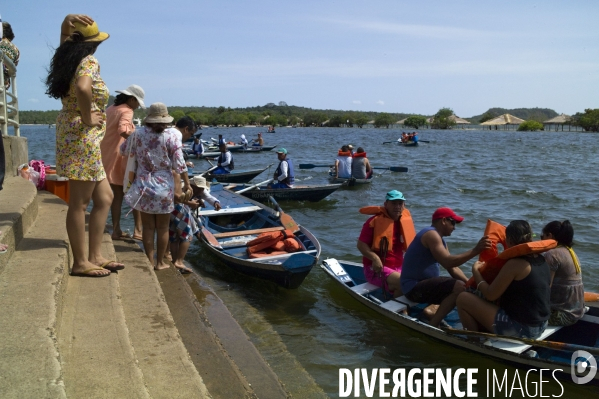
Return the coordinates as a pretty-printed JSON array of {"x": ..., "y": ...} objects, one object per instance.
[{"x": 451, "y": 221}]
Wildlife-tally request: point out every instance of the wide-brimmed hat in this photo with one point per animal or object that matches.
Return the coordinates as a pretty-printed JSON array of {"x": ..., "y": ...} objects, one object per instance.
[
  {"x": 199, "y": 181},
  {"x": 135, "y": 91},
  {"x": 90, "y": 33},
  {"x": 158, "y": 113}
]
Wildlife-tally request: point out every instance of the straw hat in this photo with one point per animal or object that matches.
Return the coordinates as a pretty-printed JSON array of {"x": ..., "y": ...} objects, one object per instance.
[
  {"x": 90, "y": 33},
  {"x": 199, "y": 181},
  {"x": 158, "y": 113},
  {"x": 135, "y": 91}
]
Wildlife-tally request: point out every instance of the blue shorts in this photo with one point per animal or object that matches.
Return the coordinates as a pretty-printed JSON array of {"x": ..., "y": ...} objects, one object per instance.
[
  {"x": 504, "y": 325},
  {"x": 220, "y": 171}
]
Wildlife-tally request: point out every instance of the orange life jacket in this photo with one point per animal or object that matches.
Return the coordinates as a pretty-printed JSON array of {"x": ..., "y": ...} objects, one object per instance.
[
  {"x": 494, "y": 261},
  {"x": 359, "y": 155},
  {"x": 344, "y": 154},
  {"x": 383, "y": 226}
]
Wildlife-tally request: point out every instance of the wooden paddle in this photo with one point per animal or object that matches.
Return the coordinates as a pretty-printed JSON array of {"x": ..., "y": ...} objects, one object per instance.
[
  {"x": 208, "y": 171},
  {"x": 286, "y": 220},
  {"x": 529, "y": 341},
  {"x": 253, "y": 186},
  {"x": 391, "y": 168},
  {"x": 206, "y": 233}
]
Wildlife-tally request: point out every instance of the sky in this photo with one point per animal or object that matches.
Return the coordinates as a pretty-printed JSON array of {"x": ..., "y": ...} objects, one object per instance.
[{"x": 383, "y": 56}]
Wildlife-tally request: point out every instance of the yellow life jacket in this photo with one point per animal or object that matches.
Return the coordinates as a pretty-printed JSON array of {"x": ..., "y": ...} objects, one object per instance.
[{"x": 383, "y": 226}]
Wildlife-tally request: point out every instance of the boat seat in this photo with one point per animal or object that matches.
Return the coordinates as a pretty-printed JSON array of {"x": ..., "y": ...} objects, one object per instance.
[
  {"x": 248, "y": 232},
  {"x": 518, "y": 347},
  {"x": 267, "y": 258},
  {"x": 406, "y": 301},
  {"x": 394, "y": 306},
  {"x": 230, "y": 211},
  {"x": 365, "y": 288}
]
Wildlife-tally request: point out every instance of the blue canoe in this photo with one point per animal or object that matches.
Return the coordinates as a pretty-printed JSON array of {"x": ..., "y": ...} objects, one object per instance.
[
  {"x": 226, "y": 233},
  {"x": 539, "y": 354}
]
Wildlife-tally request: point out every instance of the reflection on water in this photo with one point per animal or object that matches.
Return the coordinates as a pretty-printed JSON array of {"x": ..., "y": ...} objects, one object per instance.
[{"x": 480, "y": 174}]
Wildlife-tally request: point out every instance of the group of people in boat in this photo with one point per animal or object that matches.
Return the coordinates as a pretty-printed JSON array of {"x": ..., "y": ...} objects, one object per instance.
[
  {"x": 409, "y": 137},
  {"x": 352, "y": 165},
  {"x": 536, "y": 283}
]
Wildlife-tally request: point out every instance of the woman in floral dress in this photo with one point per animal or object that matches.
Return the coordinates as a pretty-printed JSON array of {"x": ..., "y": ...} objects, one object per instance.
[
  {"x": 74, "y": 78},
  {"x": 158, "y": 152}
]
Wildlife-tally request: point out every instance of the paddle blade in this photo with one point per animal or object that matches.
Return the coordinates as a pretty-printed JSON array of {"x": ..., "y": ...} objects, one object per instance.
[
  {"x": 306, "y": 166},
  {"x": 288, "y": 222},
  {"x": 210, "y": 238},
  {"x": 398, "y": 169}
]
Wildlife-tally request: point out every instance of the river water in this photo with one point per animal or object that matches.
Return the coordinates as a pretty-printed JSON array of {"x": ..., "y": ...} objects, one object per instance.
[{"x": 308, "y": 334}]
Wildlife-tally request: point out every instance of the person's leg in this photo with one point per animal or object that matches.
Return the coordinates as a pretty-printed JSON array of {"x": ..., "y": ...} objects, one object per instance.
[
  {"x": 475, "y": 312},
  {"x": 137, "y": 233},
  {"x": 448, "y": 303},
  {"x": 102, "y": 197},
  {"x": 393, "y": 284},
  {"x": 162, "y": 222},
  {"x": 180, "y": 257},
  {"x": 149, "y": 226},
  {"x": 115, "y": 211},
  {"x": 81, "y": 193}
]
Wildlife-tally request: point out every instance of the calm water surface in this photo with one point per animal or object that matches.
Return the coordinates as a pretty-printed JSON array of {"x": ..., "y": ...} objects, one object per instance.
[{"x": 537, "y": 176}]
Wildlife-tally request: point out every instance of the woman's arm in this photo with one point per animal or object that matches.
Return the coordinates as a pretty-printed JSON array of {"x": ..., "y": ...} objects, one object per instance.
[
  {"x": 509, "y": 272},
  {"x": 83, "y": 92},
  {"x": 67, "y": 25},
  {"x": 126, "y": 126}
]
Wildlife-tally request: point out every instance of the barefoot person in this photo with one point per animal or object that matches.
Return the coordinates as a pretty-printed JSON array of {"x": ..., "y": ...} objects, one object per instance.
[
  {"x": 74, "y": 78},
  {"x": 158, "y": 151},
  {"x": 119, "y": 126},
  {"x": 420, "y": 280},
  {"x": 183, "y": 226}
]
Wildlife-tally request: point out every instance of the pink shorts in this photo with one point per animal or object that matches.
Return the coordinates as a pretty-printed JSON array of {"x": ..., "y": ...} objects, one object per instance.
[{"x": 379, "y": 279}]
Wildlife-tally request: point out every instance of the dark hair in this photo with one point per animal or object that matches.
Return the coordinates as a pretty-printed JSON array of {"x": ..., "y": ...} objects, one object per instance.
[
  {"x": 562, "y": 232},
  {"x": 360, "y": 149},
  {"x": 518, "y": 232},
  {"x": 186, "y": 121},
  {"x": 64, "y": 63},
  {"x": 7, "y": 31},
  {"x": 345, "y": 148},
  {"x": 122, "y": 99}
]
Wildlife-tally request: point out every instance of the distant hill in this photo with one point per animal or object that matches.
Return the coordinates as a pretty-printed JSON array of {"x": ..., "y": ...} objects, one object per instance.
[{"x": 537, "y": 114}]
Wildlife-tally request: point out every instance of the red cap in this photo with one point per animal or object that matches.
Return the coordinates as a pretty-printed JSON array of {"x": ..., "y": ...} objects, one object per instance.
[{"x": 441, "y": 213}]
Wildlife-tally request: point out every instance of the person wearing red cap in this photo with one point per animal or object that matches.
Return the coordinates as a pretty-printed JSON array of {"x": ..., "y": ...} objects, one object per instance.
[{"x": 420, "y": 280}]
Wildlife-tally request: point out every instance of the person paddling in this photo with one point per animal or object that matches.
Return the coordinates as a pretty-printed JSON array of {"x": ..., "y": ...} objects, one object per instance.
[
  {"x": 225, "y": 160},
  {"x": 284, "y": 175},
  {"x": 259, "y": 141},
  {"x": 360, "y": 167}
]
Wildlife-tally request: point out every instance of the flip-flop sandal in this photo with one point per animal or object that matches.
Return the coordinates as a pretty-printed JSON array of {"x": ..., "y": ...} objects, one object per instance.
[
  {"x": 138, "y": 238},
  {"x": 112, "y": 265},
  {"x": 88, "y": 273}
]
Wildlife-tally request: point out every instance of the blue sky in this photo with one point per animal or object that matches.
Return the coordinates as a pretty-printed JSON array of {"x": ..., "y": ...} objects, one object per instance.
[{"x": 384, "y": 56}]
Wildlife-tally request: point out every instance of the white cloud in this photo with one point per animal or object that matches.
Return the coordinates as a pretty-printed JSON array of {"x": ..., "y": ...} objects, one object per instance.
[
  {"x": 380, "y": 102},
  {"x": 33, "y": 100},
  {"x": 357, "y": 102}
]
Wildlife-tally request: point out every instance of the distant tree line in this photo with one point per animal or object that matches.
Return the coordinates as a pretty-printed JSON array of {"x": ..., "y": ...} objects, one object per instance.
[{"x": 282, "y": 114}]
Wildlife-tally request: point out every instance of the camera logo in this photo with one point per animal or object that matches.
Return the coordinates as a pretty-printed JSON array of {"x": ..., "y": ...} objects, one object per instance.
[{"x": 586, "y": 364}]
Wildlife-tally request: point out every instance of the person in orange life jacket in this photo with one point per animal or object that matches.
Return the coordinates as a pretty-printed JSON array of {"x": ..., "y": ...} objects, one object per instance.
[
  {"x": 523, "y": 284},
  {"x": 420, "y": 280},
  {"x": 343, "y": 163},
  {"x": 225, "y": 160},
  {"x": 383, "y": 257},
  {"x": 360, "y": 166},
  {"x": 284, "y": 175}
]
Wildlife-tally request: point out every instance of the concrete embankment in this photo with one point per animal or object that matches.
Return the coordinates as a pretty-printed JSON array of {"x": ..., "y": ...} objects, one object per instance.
[{"x": 136, "y": 333}]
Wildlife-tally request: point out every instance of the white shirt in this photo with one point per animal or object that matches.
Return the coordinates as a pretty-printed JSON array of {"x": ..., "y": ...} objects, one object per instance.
[{"x": 227, "y": 160}]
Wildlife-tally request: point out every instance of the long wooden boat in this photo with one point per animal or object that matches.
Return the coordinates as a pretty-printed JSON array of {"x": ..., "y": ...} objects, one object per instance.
[
  {"x": 539, "y": 354},
  {"x": 236, "y": 176},
  {"x": 257, "y": 148},
  {"x": 226, "y": 232},
  {"x": 297, "y": 193}
]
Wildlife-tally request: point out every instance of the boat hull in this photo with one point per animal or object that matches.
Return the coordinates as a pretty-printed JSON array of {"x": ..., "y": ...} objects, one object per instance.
[
  {"x": 297, "y": 193},
  {"x": 584, "y": 332},
  {"x": 235, "y": 177}
]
